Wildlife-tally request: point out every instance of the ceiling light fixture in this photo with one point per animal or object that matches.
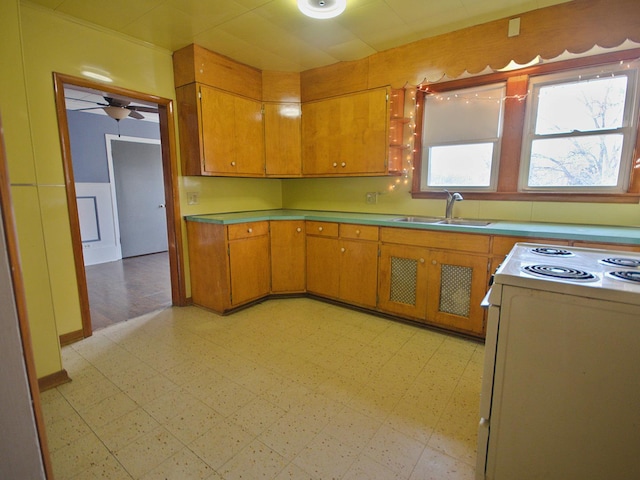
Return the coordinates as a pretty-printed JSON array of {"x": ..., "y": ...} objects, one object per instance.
[
  {"x": 117, "y": 113},
  {"x": 322, "y": 8}
]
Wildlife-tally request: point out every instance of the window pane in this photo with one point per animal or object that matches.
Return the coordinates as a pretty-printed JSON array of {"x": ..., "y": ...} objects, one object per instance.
[
  {"x": 576, "y": 161},
  {"x": 581, "y": 106},
  {"x": 460, "y": 165}
]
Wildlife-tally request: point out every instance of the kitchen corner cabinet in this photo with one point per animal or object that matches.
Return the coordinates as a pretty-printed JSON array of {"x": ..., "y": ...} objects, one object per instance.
[
  {"x": 346, "y": 135},
  {"x": 282, "y": 138},
  {"x": 220, "y": 133},
  {"x": 342, "y": 262},
  {"x": 229, "y": 265},
  {"x": 288, "y": 256}
]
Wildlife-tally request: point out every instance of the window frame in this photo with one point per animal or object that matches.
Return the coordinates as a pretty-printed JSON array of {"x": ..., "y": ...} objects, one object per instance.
[
  {"x": 514, "y": 118},
  {"x": 496, "y": 141}
]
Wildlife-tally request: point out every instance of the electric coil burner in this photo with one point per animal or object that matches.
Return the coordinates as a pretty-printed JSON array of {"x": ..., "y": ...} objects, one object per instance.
[
  {"x": 622, "y": 262},
  {"x": 559, "y": 272},
  {"x": 552, "y": 252},
  {"x": 626, "y": 275}
]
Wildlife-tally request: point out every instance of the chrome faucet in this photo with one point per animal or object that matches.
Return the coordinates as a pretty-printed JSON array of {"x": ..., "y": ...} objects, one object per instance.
[{"x": 451, "y": 198}]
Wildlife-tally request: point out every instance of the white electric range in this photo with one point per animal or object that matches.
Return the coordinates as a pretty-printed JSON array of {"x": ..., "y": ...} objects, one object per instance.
[{"x": 561, "y": 384}]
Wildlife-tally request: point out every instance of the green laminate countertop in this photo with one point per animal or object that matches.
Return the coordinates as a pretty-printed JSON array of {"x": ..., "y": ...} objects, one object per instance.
[{"x": 588, "y": 233}]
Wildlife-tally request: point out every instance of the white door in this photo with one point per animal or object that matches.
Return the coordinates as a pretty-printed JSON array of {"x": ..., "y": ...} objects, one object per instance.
[{"x": 140, "y": 197}]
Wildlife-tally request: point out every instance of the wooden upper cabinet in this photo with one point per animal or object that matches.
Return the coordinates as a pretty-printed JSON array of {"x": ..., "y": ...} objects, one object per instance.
[
  {"x": 346, "y": 135},
  {"x": 282, "y": 139},
  {"x": 220, "y": 133},
  {"x": 232, "y": 134}
]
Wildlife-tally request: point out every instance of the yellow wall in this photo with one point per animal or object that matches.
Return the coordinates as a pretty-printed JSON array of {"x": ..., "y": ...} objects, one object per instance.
[{"x": 35, "y": 44}]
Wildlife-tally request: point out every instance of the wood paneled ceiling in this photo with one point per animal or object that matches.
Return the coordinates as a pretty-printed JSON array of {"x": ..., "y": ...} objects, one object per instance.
[{"x": 274, "y": 35}]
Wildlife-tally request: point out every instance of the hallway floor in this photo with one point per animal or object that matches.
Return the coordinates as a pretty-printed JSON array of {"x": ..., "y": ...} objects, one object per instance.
[
  {"x": 287, "y": 389},
  {"x": 128, "y": 288}
]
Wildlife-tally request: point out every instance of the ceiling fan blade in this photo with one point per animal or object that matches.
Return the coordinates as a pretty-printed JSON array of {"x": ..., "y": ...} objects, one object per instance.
[
  {"x": 140, "y": 108},
  {"x": 136, "y": 115},
  {"x": 85, "y": 109}
]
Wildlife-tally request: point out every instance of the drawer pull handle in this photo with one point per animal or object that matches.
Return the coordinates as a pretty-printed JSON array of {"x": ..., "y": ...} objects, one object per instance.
[
  {"x": 250, "y": 230},
  {"x": 298, "y": 229},
  {"x": 343, "y": 249},
  {"x": 233, "y": 164},
  {"x": 320, "y": 229},
  {"x": 357, "y": 232}
]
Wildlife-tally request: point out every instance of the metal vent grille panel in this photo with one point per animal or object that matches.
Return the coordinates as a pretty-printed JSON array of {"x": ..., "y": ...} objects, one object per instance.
[
  {"x": 404, "y": 279},
  {"x": 455, "y": 290}
]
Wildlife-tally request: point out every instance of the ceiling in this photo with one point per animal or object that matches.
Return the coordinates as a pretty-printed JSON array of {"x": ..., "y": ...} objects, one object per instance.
[{"x": 274, "y": 35}]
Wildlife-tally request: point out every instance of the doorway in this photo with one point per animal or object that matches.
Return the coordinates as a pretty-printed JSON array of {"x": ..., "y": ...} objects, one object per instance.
[{"x": 167, "y": 204}]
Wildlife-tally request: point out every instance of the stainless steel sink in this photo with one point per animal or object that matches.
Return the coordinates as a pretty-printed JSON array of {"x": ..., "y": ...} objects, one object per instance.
[
  {"x": 418, "y": 219},
  {"x": 463, "y": 221},
  {"x": 441, "y": 221}
]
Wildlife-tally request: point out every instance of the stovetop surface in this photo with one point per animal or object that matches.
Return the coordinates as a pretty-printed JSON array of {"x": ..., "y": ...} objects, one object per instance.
[{"x": 606, "y": 274}]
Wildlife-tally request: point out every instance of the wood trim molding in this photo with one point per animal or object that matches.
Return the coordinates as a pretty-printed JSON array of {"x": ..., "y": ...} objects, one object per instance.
[
  {"x": 71, "y": 337},
  {"x": 170, "y": 174},
  {"x": 53, "y": 380}
]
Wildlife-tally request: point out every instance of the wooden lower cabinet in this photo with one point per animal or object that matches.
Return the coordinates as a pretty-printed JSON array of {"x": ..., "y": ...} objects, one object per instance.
[
  {"x": 323, "y": 266},
  {"x": 342, "y": 262},
  {"x": 229, "y": 265},
  {"x": 288, "y": 256},
  {"x": 403, "y": 281},
  {"x": 455, "y": 287}
]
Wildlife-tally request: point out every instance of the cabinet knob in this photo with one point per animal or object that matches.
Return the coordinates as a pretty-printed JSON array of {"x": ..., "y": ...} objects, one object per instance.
[
  {"x": 343, "y": 249},
  {"x": 233, "y": 164},
  {"x": 357, "y": 232},
  {"x": 335, "y": 164},
  {"x": 421, "y": 260},
  {"x": 250, "y": 230},
  {"x": 320, "y": 229},
  {"x": 298, "y": 229},
  {"x": 343, "y": 164},
  {"x": 434, "y": 262}
]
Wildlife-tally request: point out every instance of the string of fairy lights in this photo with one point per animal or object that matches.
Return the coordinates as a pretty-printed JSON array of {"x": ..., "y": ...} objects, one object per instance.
[{"x": 411, "y": 108}]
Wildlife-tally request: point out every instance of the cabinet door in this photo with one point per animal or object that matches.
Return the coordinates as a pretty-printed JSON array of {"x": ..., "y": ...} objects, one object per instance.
[
  {"x": 457, "y": 283},
  {"x": 288, "y": 247},
  {"x": 403, "y": 280},
  {"x": 346, "y": 135},
  {"x": 249, "y": 269},
  {"x": 232, "y": 134},
  {"x": 323, "y": 266},
  {"x": 218, "y": 131},
  {"x": 283, "y": 149},
  {"x": 359, "y": 272},
  {"x": 248, "y": 137}
]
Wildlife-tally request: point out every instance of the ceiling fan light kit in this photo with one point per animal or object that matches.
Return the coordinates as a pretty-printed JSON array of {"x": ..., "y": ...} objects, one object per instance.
[
  {"x": 322, "y": 8},
  {"x": 117, "y": 113}
]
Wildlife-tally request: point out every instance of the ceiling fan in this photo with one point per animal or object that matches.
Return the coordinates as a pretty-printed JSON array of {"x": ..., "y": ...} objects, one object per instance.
[{"x": 118, "y": 108}]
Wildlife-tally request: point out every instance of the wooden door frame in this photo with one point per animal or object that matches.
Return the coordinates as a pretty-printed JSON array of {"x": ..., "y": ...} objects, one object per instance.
[{"x": 170, "y": 174}]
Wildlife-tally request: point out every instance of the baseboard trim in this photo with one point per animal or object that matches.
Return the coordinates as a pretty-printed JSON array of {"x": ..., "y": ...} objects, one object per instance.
[
  {"x": 71, "y": 337},
  {"x": 53, "y": 380}
]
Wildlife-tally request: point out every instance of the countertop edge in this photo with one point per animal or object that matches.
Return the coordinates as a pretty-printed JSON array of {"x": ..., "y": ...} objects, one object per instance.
[{"x": 592, "y": 233}]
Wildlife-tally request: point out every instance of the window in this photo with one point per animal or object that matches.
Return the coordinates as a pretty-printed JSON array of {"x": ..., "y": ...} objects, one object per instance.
[
  {"x": 559, "y": 131},
  {"x": 580, "y": 131},
  {"x": 461, "y": 138}
]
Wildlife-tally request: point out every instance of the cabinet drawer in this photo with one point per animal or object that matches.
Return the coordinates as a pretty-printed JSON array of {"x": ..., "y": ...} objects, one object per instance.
[
  {"x": 247, "y": 230},
  {"x": 467, "y": 242},
  {"x": 322, "y": 229},
  {"x": 359, "y": 232}
]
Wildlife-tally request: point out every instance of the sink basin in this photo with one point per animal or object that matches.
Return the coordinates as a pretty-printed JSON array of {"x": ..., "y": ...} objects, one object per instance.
[
  {"x": 462, "y": 221},
  {"x": 418, "y": 219}
]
